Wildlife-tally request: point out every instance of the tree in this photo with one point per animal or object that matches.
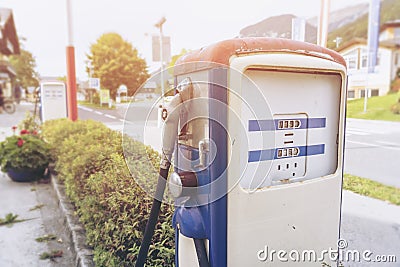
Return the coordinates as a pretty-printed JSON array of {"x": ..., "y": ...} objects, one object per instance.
[
  {"x": 24, "y": 65},
  {"x": 174, "y": 58},
  {"x": 115, "y": 61}
]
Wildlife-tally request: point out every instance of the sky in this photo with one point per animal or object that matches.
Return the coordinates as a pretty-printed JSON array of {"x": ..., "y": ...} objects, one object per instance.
[{"x": 190, "y": 24}]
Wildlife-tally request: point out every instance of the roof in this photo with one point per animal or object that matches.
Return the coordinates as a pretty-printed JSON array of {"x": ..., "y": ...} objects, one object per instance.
[
  {"x": 221, "y": 52},
  {"x": 352, "y": 42},
  {"x": 390, "y": 44},
  {"x": 390, "y": 24},
  {"x": 9, "y": 43}
]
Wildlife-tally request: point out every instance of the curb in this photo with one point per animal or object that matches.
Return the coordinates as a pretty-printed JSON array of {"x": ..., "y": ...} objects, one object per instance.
[
  {"x": 375, "y": 122},
  {"x": 83, "y": 253}
]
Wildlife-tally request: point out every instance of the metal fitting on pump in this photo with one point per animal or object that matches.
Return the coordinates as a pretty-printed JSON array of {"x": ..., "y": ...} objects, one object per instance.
[
  {"x": 171, "y": 124},
  {"x": 180, "y": 183}
]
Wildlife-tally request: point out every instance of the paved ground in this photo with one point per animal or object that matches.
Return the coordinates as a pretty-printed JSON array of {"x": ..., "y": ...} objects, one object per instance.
[
  {"x": 372, "y": 148},
  {"x": 18, "y": 247},
  {"x": 370, "y": 224}
]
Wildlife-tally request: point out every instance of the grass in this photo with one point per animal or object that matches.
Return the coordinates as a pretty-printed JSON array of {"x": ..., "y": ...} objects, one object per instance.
[
  {"x": 371, "y": 189},
  {"x": 10, "y": 219},
  {"x": 37, "y": 207},
  {"x": 96, "y": 106},
  {"x": 378, "y": 108},
  {"x": 46, "y": 238},
  {"x": 51, "y": 255}
]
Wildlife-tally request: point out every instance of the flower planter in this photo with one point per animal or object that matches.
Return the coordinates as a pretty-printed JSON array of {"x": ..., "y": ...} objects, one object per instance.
[
  {"x": 24, "y": 157},
  {"x": 25, "y": 175}
]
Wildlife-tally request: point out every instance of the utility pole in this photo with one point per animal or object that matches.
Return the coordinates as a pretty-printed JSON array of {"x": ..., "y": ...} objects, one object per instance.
[
  {"x": 323, "y": 23},
  {"x": 71, "y": 74},
  {"x": 373, "y": 43},
  {"x": 159, "y": 26}
]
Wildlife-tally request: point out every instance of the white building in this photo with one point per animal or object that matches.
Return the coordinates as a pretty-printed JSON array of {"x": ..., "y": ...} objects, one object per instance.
[{"x": 388, "y": 62}]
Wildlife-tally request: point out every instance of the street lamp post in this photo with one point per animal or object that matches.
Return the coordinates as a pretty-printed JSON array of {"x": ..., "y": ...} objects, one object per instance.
[
  {"x": 323, "y": 23},
  {"x": 373, "y": 43},
  {"x": 90, "y": 68},
  {"x": 159, "y": 25},
  {"x": 71, "y": 75}
]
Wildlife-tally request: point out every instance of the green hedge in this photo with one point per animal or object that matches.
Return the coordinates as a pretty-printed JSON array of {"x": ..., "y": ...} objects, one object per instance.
[{"x": 112, "y": 207}]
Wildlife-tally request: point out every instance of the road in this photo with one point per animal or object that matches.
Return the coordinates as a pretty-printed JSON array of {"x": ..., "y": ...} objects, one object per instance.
[
  {"x": 138, "y": 120},
  {"x": 373, "y": 150}
]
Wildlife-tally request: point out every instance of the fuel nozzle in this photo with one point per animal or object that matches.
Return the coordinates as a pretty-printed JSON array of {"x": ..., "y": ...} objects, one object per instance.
[{"x": 171, "y": 124}]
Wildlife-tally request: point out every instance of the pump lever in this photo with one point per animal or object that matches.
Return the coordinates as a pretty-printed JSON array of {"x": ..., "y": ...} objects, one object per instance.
[{"x": 204, "y": 148}]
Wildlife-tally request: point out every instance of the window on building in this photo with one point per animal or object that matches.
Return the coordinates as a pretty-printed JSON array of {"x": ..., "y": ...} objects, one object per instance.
[
  {"x": 364, "y": 61},
  {"x": 364, "y": 58},
  {"x": 375, "y": 92},
  {"x": 351, "y": 62},
  {"x": 372, "y": 92},
  {"x": 351, "y": 94},
  {"x": 396, "y": 33}
]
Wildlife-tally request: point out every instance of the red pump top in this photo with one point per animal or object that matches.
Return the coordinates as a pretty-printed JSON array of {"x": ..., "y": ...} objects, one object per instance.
[{"x": 221, "y": 52}]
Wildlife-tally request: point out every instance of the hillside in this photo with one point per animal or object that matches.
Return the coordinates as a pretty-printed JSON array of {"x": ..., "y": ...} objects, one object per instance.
[
  {"x": 342, "y": 17},
  {"x": 277, "y": 26},
  {"x": 281, "y": 26},
  {"x": 346, "y": 23},
  {"x": 390, "y": 10}
]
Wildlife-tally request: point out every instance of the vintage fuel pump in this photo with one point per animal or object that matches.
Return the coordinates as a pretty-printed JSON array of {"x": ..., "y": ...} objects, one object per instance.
[{"x": 256, "y": 130}]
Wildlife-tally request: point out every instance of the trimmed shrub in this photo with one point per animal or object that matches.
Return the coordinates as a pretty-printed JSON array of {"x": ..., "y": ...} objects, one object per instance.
[
  {"x": 396, "y": 107},
  {"x": 112, "y": 207}
]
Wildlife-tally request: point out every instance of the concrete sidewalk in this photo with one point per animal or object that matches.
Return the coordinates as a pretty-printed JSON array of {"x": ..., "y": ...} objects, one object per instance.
[
  {"x": 35, "y": 203},
  {"x": 18, "y": 246}
]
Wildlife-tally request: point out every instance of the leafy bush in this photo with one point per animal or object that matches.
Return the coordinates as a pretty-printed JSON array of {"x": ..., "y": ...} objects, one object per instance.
[
  {"x": 30, "y": 123},
  {"x": 395, "y": 84},
  {"x": 112, "y": 207},
  {"x": 57, "y": 131},
  {"x": 396, "y": 107},
  {"x": 96, "y": 98}
]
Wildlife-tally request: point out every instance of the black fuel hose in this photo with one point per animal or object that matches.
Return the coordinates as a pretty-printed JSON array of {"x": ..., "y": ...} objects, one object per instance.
[
  {"x": 201, "y": 252},
  {"x": 170, "y": 130},
  {"x": 151, "y": 223}
]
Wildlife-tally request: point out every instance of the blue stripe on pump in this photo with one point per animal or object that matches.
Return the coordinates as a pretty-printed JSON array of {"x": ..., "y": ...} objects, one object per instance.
[
  {"x": 272, "y": 125},
  {"x": 271, "y": 154},
  {"x": 218, "y": 248}
]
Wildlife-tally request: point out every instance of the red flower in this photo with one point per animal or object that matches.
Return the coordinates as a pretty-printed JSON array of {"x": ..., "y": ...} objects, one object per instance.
[
  {"x": 24, "y": 132},
  {"x": 34, "y": 132},
  {"x": 20, "y": 142},
  {"x": 14, "y": 128}
]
